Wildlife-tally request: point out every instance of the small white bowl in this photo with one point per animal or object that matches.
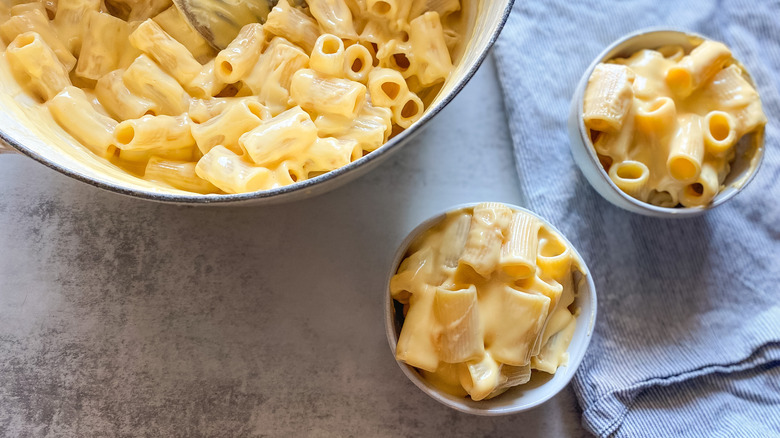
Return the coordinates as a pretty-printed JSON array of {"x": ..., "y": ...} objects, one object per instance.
[
  {"x": 519, "y": 398},
  {"x": 743, "y": 168}
]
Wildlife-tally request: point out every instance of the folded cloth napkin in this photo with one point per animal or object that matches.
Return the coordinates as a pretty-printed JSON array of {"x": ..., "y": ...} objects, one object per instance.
[{"x": 687, "y": 341}]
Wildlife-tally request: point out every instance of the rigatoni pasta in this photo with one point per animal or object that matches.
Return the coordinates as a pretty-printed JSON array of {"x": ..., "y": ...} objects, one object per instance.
[
  {"x": 473, "y": 328},
  {"x": 309, "y": 91},
  {"x": 666, "y": 125}
]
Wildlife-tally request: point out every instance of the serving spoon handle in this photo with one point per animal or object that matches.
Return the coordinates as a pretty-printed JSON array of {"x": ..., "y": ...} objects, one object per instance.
[{"x": 219, "y": 21}]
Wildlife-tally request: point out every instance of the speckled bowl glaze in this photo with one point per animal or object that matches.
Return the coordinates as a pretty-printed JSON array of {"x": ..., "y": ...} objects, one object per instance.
[
  {"x": 517, "y": 399},
  {"x": 23, "y": 131},
  {"x": 743, "y": 169}
]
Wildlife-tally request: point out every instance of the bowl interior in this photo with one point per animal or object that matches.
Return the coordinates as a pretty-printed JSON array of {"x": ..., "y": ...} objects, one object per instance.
[
  {"x": 28, "y": 126},
  {"x": 542, "y": 387},
  {"x": 750, "y": 149}
]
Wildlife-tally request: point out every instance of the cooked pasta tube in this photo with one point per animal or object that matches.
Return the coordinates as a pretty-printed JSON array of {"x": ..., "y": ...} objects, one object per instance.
[
  {"x": 394, "y": 12},
  {"x": 334, "y": 17},
  {"x": 662, "y": 198},
  {"x": 231, "y": 173},
  {"x": 387, "y": 87},
  {"x": 68, "y": 21},
  {"x": 408, "y": 110},
  {"x": 37, "y": 64},
  {"x": 529, "y": 311},
  {"x": 560, "y": 316},
  {"x": 395, "y": 54},
  {"x": 145, "y": 9},
  {"x": 375, "y": 34},
  {"x": 328, "y": 55},
  {"x": 609, "y": 97},
  {"x": 35, "y": 20},
  {"x": 371, "y": 128},
  {"x": 489, "y": 223},
  {"x": 657, "y": 117},
  {"x": 237, "y": 59},
  {"x": 103, "y": 41},
  {"x": 631, "y": 177},
  {"x": 327, "y": 154},
  {"x": 292, "y": 24},
  {"x": 206, "y": 83},
  {"x": 203, "y": 110},
  {"x": 226, "y": 128},
  {"x": 178, "y": 174},
  {"x": 617, "y": 144},
  {"x": 73, "y": 111},
  {"x": 553, "y": 354},
  {"x": 271, "y": 77},
  {"x": 145, "y": 78},
  {"x": 154, "y": 132},
  {"x": 442, "y": 7},
  {"x": 686, "y": 149},
  {"x": 732, "y": 93},
  {"x": 720, "y": 132},
  {"x": 455, "y": 236},
  {"x": 285, "y": 135},
  {"x": 703, "y": 190},
  {"x": 119, "y": 101},
  {"x": 457, "y": 313},
  {"x": 416, "y": 344},
  {"x": 548, "y": 288},
  {"x": 698, "y": 67},
  {"x": 518, "y": 254},
  {"x": 169, "y": 54},
  {"x": 431, "y": 57},
  {"x": 175, "y": 25},
  {"x": 510, "y": 377},
  {"x": 414, "y": 270},
  {"x": 322, "y": 94},
  {"x": 358, "y": 63},
  {"x": 554, "y": 257},
  {"x": 481, "y": 377}
]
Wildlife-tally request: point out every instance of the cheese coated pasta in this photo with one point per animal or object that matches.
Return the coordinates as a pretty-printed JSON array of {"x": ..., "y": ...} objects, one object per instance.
[
  {"x": 487, "y": 301},
  {"x": 311, "y": 90},
  {"x": 666, "y": 124}
]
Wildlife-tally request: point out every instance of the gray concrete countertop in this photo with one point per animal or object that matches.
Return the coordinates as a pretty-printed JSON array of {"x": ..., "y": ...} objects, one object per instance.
[{"x": 121, "y": 317}]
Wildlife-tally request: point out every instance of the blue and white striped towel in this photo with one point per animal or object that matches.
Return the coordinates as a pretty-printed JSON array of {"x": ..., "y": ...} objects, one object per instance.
[{"x": 688, "y": 337}]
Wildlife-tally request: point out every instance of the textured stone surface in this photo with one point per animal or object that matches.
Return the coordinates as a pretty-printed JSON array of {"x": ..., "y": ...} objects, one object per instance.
[{"x": 121, "y": 317}]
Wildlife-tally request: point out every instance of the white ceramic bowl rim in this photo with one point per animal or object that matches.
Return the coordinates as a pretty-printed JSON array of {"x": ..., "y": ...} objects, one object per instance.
[
  {"x": 659, "y": 211},
  {"x": 446, "y": 399},
  {"x": 297, "y": 187}
]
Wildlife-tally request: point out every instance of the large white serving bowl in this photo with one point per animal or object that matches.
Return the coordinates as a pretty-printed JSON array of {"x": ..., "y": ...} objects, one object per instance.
[{"x": 27, "y": 127}]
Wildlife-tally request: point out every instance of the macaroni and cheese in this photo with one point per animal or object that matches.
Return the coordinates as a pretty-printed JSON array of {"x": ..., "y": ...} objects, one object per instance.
[
  {"x": 308, "y": 91},
  {"x": 488, "y": 299},
  {"x": 666, "y": 124}
]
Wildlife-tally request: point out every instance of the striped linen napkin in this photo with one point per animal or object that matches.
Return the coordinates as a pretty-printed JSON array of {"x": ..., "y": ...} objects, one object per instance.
[{"x": 687, "y": 341}]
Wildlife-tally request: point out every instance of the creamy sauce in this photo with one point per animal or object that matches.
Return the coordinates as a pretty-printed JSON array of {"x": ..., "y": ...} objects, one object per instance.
[{"x": 479, "y": 334}]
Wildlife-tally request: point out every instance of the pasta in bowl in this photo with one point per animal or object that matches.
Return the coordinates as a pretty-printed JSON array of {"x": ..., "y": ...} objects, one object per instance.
[
  {"x": 489, "y": 309},
  {"x": 125, "y": 96},
  {"x": 667, "y": 124}
]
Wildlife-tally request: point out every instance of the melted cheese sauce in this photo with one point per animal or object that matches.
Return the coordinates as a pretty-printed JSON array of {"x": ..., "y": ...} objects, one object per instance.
[{"x": 507, "y": 328}]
